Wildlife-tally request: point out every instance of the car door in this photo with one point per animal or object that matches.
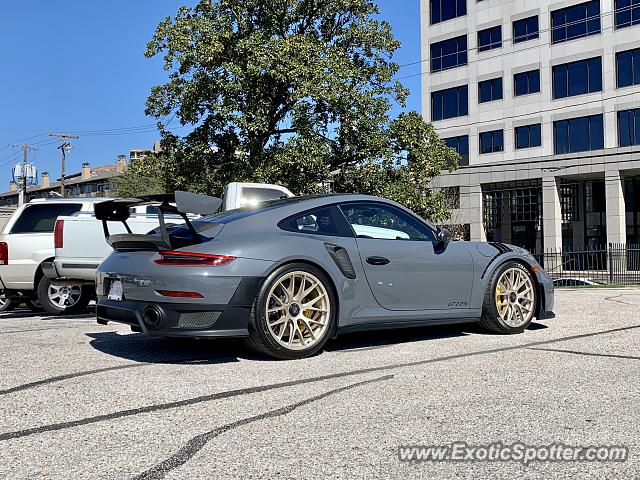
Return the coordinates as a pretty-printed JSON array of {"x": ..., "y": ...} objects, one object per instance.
[{"x": 403, "y": 265}]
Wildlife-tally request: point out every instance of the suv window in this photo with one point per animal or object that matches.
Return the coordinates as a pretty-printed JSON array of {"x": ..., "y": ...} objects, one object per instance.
[
  {"x": 255, "y": 195},
  {"x": 41, "y": 218},
  {"x": 321, "y": 221},
  {"x": 385, "y": 222}
]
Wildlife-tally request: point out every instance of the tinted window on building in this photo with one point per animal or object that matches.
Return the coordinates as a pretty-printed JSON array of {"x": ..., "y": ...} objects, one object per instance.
[
  {"x": 490, "y": 90},
  {"x": 628, "y": 68},
  {"x": 490, "y": 38},
  {"x": 578, "y": 134},
  {"x": 461, "y": 145},
  {"x": 627, "y": 13},
  {"x": 576, "y": 78},
  {"x": 450, "y": 103},
  {"x": 491, "y": 142},
  {"x": 449, "y": 53},
  {"x": 529, "y": 136},
  {"x": 629, "y": 127},
  {"x": 525, "y": 29},
  {"x": 40, "y": 218},
  {"x": 575, "y": 21},
  {"x": 526, "y": 82},
  {"x": 442, "y": 10}
]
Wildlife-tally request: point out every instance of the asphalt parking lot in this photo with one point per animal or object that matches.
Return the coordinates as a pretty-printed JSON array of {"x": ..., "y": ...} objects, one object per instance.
[{"x": 79, "y": 400}]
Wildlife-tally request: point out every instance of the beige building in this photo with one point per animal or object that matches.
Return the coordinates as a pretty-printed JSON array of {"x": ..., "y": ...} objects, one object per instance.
[{"x": 542, "y": 101}]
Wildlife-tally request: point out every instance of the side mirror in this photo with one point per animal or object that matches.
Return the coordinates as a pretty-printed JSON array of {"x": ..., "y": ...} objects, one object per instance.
[{"x": 443, "y": 237}]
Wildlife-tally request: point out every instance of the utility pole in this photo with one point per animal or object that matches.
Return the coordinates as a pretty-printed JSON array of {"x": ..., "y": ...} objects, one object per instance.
[
  {"x": 22, "y": 195},
  {"x": 64, "y": 146}
]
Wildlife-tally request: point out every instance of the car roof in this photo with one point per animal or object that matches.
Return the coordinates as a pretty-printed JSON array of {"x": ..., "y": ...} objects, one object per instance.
[
  {"x": 283, "y": 208},
  {"x": 70, "y": 200}
]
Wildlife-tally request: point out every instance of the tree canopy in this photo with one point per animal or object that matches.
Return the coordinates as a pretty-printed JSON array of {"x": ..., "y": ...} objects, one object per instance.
[{"x": 296, "y": 92}]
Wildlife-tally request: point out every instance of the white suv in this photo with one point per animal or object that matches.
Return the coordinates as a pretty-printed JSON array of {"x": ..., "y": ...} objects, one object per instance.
[{"x": 26, "y": 242}]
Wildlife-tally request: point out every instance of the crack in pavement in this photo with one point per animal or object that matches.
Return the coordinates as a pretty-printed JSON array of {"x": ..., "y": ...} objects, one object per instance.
[
  {"x": 59, "y": 378},
  {"x": 68, "y": 376},
  {"x": 40, "y": 329},
  {"x": 589, "y": 354},
  {"x": 246, "y": 391},
  {"x": 195, "y": 444},
  {"x": 614, "y": 297}
]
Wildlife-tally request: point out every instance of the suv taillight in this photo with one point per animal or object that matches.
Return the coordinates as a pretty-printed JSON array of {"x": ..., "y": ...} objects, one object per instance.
[
  {"x": 58, "y": 232},
  {"x": 4, "y": 253}
]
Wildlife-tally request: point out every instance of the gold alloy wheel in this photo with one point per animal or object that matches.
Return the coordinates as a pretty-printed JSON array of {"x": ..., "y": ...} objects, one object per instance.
[
  {"x": 298, "y": 310},
  {"x": 515, "y": 297}
]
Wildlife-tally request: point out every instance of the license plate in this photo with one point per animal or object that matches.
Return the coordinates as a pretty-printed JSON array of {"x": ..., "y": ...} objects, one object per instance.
[{"x": 115, "y": 290}]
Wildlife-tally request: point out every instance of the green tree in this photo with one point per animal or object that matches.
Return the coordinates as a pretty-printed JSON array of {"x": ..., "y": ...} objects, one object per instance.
[
  {"x": 142, "y": 177},
  {"x": 296, "y": 92}
]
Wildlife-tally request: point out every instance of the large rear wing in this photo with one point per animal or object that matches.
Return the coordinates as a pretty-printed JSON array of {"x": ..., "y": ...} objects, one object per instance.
[{"x": 179, "y": 203}]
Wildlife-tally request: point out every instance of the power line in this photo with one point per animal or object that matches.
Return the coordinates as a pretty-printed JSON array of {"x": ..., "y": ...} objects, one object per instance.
[
  {"x": 115, "y": 131},
  {"x": 21, "y": 140}
]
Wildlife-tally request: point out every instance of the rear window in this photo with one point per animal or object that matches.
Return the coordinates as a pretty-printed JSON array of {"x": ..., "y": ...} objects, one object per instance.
[
  {"x": 41, "y": 218},
  {"x": 254, "y": 195}
]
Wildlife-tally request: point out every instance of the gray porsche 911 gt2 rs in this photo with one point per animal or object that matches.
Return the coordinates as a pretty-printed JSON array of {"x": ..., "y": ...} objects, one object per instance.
[{"x": 290, "y": 274}]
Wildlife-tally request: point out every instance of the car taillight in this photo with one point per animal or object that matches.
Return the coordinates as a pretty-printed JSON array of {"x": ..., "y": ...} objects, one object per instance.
[
  {"x": 4, "y": 253},
  {"x": 179, "y": 294},
  {"x": 58, "y": 234},
  {"x": 191, "y": 259}
]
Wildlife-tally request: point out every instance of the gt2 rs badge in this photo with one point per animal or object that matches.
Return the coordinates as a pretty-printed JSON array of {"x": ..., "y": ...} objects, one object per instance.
[{"x": 459, "y": 304}]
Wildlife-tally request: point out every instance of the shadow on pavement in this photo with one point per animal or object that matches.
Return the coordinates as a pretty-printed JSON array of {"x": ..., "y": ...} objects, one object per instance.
[
  {"x": 383, "y": 338},
  {"x": 142, "y": 348},
  {"x": 138, "y": 347},
  {"x": 42, "y": 315},
  {"x": 536, "y": 326}
]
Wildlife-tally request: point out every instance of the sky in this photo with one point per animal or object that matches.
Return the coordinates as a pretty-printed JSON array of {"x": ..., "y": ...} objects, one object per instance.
[{"x": 78, "y": 66}]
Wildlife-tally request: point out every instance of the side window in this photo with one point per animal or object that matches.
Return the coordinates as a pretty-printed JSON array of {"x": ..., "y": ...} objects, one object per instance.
[
  {"x": 385, "y": 222},
  {"x": 41, "y": 218},
  {"x": 322, "y": 221}
]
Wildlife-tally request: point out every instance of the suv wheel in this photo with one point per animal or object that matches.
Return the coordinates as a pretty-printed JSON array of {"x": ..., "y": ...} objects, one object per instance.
[
  {"x": 62, "y": 299},
  {"x": 6, "y": 304}
]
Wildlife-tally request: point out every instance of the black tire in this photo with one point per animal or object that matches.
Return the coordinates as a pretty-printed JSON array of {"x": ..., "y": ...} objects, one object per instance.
[
  {"x": 7, "y": 304},
  {"x": 52, "y": 308},
  {"x": 491, "y": 319},
  {"x": 33, "y": 304},
  {"x": 260, "y": 338}
]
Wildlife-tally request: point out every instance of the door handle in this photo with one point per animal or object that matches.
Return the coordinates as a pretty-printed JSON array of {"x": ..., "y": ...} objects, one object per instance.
[{"x": 377, "y": 260}]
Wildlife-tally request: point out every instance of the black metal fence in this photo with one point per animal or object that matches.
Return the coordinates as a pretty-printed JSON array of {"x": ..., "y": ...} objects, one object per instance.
[{"x": 617, "y": 264}]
